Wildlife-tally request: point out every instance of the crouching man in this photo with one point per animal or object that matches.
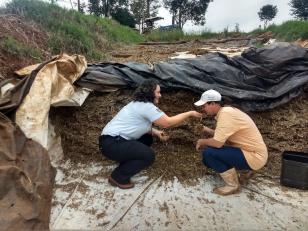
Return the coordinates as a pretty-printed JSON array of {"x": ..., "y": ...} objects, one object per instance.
[{"x": 236, "y": 143}]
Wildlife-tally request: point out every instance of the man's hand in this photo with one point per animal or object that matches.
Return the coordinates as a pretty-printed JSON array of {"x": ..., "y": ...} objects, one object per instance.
[
  {"x": 200, "y": 144},
  {"x": 199, "y": 129},
  {"x": 208, "y": 130}
]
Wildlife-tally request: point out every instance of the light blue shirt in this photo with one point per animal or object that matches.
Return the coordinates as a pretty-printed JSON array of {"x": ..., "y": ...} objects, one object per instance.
[{"x": 133, "y": 120}]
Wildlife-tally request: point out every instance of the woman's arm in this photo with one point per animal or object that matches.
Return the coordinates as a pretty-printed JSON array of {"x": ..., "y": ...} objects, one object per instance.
[{"x": 166, "y": 121}]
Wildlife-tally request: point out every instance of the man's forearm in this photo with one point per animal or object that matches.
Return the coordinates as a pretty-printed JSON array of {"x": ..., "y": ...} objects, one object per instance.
[
  {"x": 212, "y": 143},
  {"x": 209, "y": 131}
]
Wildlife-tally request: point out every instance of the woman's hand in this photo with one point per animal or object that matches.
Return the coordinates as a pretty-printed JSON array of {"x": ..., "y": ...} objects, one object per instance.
[
  {"x": 196, "y": 114},
  {"x": 163, "y": 136},
  {"x": 160, "y": 134}
]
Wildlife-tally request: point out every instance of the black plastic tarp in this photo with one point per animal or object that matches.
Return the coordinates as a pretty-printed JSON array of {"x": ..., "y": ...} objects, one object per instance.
[{"x": 259, "y": 79}]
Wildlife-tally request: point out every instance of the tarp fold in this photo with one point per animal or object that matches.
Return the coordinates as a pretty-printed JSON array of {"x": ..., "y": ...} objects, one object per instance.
[{"x": 258, "y": 79}]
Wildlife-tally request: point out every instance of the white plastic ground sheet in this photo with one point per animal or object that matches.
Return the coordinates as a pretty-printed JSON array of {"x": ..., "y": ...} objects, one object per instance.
[
  {"x": 83, "y": 200},
  {"x": 230, "y": 51}
]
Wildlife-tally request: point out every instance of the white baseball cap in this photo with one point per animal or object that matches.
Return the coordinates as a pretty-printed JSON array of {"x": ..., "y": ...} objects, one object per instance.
[{"x": 208, "y": 96}]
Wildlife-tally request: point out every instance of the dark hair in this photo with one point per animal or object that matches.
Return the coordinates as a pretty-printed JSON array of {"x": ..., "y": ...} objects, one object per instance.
[
  {"x": 145, "y": 91},
  {"x": 223, "y": 102}
]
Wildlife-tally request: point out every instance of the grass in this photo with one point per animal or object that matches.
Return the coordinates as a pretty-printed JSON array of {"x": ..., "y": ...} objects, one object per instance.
[
  {"x": 166, "y": 36},
  {"x": 178, "y": 34},
  {"x": 14, "y": 47},
  {"x": 73, "y": 32},
  {"x": 288, "y": 31}
]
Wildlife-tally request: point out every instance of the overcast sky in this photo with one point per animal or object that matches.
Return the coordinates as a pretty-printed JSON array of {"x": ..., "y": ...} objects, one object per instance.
[{"x": 226, "y": 13}]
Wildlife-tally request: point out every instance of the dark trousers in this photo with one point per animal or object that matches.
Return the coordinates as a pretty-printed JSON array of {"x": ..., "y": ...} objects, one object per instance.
[
  {"x": 225, "y": 158},
  {"x": 132, "y": 155}
]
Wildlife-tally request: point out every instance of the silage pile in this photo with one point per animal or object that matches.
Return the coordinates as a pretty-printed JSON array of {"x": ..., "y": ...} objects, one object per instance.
[{"x": 283, "y": 128}]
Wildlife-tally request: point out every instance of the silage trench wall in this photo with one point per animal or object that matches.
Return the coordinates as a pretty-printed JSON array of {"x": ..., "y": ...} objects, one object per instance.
[{"x": 283, "y": 128}]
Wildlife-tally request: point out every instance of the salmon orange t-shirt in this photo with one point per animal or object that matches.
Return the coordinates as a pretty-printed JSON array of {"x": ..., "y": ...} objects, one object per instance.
[{"x": 238, "y": 130}]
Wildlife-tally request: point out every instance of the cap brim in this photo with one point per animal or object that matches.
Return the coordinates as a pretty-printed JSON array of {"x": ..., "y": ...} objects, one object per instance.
[{"x": 199, "y": 103}]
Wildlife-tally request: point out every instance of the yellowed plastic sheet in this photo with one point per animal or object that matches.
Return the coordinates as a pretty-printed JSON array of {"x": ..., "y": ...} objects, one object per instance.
[{"x": 53, "y": 84}]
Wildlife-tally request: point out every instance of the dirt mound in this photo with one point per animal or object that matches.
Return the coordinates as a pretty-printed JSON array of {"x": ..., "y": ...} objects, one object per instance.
[
  {"x": 28, "y": 34},
  {"x": 283, "y": 128},
  {"x": 151, "y": 54}
]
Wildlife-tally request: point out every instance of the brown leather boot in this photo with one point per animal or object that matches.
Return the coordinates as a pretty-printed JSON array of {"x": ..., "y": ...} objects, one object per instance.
[
  {"x": 122, "y": 186},
  {"x": 244, "y": 176},
  {"x": 232, "y": 184}
]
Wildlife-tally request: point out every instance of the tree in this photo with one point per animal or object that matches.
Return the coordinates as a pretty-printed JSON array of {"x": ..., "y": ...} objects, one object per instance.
[
  {"x": 152, "y": 8},
  {"x": 184, "y": 10},
  {"x": 110, "y": 6},
  {"x": 143, "y": 9},
  {"x": 80, "y": 4},
  {"x": 299, "y": 9},
  {"x": 95, "y": 7},
  {"x": 106, "y": 7},
  {"x": 138, "y": 8},
  {"x": 237, "y": 28},
  {"x": 124, "y": 17},
  {"x": 267, "y": 13}
]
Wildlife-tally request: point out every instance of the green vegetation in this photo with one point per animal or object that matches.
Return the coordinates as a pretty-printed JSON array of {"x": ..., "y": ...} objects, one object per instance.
[
  {"x": 14, "y": 47},
  {"x": 207, "y": 34},
  {"x": 178, "y": 34},
  {"x": 166, "y": 35},
  {"x": 182, "y": 11},
  {"x": 288, "y": 31},
  {"x": 267, "y": 13},
  {"x": 299, "y": 9},
  {"x": 73, "y": 32}
]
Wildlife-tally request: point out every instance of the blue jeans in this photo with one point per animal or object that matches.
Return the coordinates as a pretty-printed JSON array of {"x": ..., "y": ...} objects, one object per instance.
[{"x": 224, "y": 158}]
